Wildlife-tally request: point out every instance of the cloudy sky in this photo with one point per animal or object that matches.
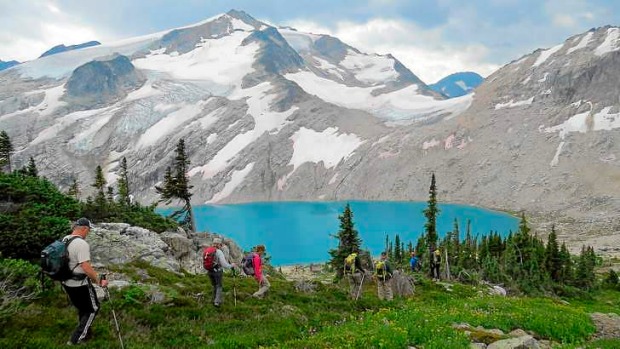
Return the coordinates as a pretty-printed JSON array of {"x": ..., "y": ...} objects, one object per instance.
[{"x": 433, "y": 38}]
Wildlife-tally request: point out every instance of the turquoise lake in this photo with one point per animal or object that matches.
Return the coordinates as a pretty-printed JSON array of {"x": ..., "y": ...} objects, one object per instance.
[{"x": 301, "y": 232}]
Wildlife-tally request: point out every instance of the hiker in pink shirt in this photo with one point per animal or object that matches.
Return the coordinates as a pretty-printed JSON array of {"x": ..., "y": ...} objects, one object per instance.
[{"x": 263, "y": 283}]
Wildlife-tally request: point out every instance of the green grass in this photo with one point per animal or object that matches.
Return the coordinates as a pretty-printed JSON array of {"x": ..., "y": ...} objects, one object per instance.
[{"x": 289, "y": 319}]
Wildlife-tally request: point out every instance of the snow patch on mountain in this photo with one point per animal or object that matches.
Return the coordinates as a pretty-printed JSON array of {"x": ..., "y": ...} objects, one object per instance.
[
  {"x": 513, "y": 104},
  {"x": 299, "y": 41},
  {"x": 556, "y": 157},
  {"x": 370, "y": 69},
  {"x": 170, "y": 123},
  {"x": 221, "y": 61},
  {"x": 63, "y": 123},
  {"x": 236, "y": 178},
  {"x": 585, "y": 40},
  {"x": 258, "y": 100},
  {"x": 403, "y": 104},
  {"x": 584, "y": 122},
  {"x": 544, "y": 55},
  {"x": 327, "y": 146},
  {"x": 611, "y": 42}
]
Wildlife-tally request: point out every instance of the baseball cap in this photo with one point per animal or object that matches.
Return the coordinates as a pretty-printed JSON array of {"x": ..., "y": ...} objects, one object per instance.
[{"x": 83, "y": 222}]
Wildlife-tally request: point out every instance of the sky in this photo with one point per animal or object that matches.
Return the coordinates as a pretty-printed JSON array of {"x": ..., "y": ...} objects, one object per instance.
[{"x": 433, "y": 38}]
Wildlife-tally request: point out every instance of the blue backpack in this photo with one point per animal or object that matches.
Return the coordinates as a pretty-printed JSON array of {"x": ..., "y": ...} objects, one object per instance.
[
  {"x": 55, "y": 260},
  {"x": 247, "y": 263}
]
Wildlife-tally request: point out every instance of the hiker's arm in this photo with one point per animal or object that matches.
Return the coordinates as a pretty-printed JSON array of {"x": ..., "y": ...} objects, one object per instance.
[
  {"x": 222, "y": 260},
  {"x": 92, "y": 274}
]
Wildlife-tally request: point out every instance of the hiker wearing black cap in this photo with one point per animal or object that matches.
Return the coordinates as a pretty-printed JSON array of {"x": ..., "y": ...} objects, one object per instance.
[
  {"x": 215, "y": 262},
  {"x": 80, "y": 287}
]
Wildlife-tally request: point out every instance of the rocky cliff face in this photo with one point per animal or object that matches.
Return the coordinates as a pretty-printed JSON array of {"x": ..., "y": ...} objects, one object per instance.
[
  {"x": 275, "y": 114},
  {"x": 119, "y": 243}
]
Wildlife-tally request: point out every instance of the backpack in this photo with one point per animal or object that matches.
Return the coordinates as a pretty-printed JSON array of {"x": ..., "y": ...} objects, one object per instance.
[
  {"x": 247, "y": 263},
  {"x": 55, "y": 260},
  {"x": 380, "y": 268},
  {"x": 349, "y": 263},
  {"x": 209, "y": 260}
]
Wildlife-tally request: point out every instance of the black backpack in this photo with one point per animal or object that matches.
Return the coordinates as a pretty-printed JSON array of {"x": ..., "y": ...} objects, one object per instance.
[
  {"x": 55, "y": 260},
  {"x": 247, "y": 263}
]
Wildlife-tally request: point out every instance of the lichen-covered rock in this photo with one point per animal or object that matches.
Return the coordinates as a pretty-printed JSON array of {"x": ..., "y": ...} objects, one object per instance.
[{"x": 524, "y": 342}]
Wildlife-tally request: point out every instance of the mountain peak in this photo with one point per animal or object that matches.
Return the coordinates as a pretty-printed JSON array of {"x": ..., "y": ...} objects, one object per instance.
[{"x": 62, "y": 48}]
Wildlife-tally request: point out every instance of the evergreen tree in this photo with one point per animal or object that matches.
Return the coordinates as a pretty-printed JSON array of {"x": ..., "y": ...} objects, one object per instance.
[
  {"x": 397, "y": 250},
  {"x": 566, "y": 262},
  {"x": 100, "y": 185},
  {"x": 430, "y": 213},
  {"x": 403, "y": 257},
  {"x": 176, "y": 187},
  {"x": 456, "y": 244},
  {"x": 110, "y": 195},
  {"x": 348, "y": 241},
  {"x": 74, "y": 189},
  {"x": 553, "y": 262},
  {"x": 6, "y": 149},
  {"x": 123, "y": 184},
  {"x": 585, "y": 277},
  {"x": 31, "y": 170},
  {"x": 611, "y": 281}
]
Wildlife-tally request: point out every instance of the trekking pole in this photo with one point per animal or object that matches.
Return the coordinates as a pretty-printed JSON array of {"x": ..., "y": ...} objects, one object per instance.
[
  {"x": 235, "y": 285},
  {"x": 360, "y": 289},
  {"x": 118, "y": 330}
]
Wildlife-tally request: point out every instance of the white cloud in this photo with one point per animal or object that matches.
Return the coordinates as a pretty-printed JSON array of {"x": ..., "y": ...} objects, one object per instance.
[
  {"x": 423, "y": 51},
  {"x": 28, "y": 29},
  {"x": 563, "y": 20}
]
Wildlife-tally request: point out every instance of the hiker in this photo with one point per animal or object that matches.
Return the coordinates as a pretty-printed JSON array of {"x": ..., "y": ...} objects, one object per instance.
[
  {"x": 257, "y": 263},
  {"x": 414, "y": 263},
  {"x": 354, "y": 272},
  {"x": 80, "y": 287},
  {"x": 383, "y": 273},
  {"x": 435, "y": 264},
  {"x": 215, "y": 262}
]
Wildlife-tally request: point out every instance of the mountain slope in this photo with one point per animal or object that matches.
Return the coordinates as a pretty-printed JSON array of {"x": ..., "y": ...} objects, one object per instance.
[
  {"x": 275, "y": 114},
  {"x": 7, "y": 65},
  {"x": 457, "y": 84}
]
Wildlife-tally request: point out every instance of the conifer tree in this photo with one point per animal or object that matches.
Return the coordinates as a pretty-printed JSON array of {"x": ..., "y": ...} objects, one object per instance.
[
  {"x": 553, "y": 262},
  {"x": 176, "y": 187},
  {"x": 348, "y": 241},
  {"x": 430, "y": 213},
  {"x": 123, "y": 184},
  {"x": 31, "y": 170},
  {"x": 110, "y": 195},
  {"x": 397, "y": 249},
  {"x": 74, "y": 189},
  {"x": 6, "y": 149},
  {"x": 99, "y": 184},
  {"x": 566, "y": 274},
  {"x": 585, "y": 277}
]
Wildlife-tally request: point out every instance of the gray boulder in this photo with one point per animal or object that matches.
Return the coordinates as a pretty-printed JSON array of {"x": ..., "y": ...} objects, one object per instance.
[{"x": 524, "y": 342}]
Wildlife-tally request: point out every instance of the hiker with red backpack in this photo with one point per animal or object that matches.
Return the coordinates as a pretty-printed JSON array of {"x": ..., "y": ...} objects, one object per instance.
[{"x": 214, "y": 262}]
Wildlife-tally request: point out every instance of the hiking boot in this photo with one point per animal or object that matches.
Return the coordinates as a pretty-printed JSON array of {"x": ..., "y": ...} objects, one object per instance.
[{"x": 217, "y": 305}]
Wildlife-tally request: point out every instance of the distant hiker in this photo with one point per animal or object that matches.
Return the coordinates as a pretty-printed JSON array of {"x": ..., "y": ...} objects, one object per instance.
[
  {"x": 214, "y": 262},
  {"x": 80, "y": 287},
  {"x": 261, "y": 278},
  {"x": 383, "y": 273},
  {"x": 435, "y": 264},
  {"x": 414, "y": 263},
  {"x": 355, "y": 273}
]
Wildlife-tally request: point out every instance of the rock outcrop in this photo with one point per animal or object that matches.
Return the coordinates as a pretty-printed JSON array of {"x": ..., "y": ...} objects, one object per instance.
[{"x": 120, "y": 243}]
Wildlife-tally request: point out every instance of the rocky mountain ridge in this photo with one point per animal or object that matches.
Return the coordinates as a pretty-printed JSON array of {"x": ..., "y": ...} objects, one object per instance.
[{"x": 275, "y": 114}]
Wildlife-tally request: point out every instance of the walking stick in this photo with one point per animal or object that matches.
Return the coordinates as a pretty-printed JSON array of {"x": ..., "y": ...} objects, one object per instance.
[
  {"x": 360, "y": 289},
  {"x": 107, "y": 296},
  {"x": 235, "y": 285}
]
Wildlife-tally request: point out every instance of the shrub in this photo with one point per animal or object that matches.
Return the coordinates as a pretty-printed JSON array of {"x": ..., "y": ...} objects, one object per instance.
[{"x": 18, "y": 284}]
